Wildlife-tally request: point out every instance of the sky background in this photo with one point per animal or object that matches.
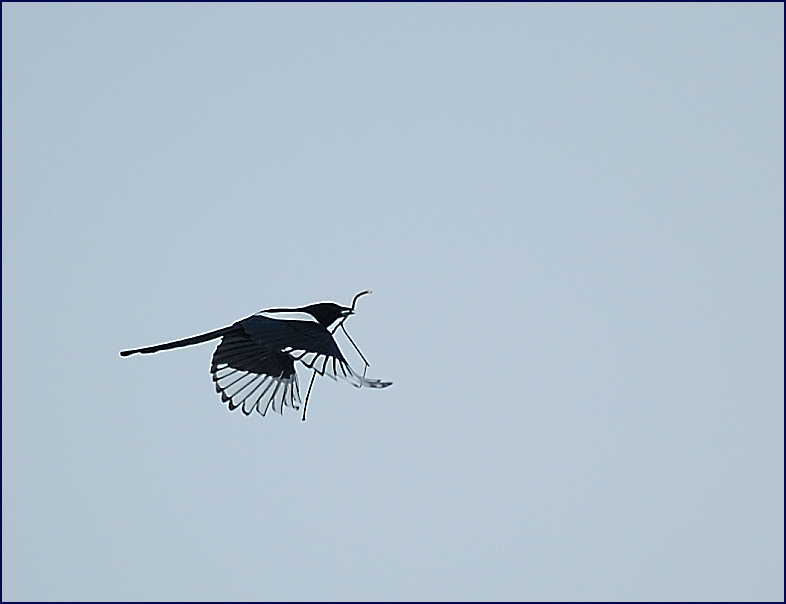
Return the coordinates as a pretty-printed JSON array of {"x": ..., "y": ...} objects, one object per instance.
[{"x": 571, "y": 217}]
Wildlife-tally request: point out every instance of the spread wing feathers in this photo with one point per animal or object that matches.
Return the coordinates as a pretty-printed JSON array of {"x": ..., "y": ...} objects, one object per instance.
[
  {"x": 334, "y": 367},
  {"x": 307, "y": 342},
  {"x": 311, "y": 344},
  {"x": 253, "y": 376}
]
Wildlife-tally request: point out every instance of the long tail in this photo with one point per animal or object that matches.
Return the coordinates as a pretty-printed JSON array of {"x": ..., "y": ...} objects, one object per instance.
[{"x": 211, "y": 335}]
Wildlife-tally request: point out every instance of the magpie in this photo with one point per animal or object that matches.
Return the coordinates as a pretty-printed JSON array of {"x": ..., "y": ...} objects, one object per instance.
[{"x": 253, "y": 366}]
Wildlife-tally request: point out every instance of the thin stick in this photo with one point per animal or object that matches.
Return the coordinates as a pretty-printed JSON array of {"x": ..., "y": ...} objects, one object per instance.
[
  {"x": 311, "y": 383},
  {"x": 349, "y": 337},
  {"x": 344, "y": 329}
]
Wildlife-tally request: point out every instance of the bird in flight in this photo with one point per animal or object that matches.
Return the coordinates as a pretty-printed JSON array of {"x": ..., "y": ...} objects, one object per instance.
[{"x": 253, "y": 366}]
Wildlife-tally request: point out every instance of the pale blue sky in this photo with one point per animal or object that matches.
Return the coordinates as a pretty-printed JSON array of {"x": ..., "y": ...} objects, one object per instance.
[{"x": 572, "y": 220}]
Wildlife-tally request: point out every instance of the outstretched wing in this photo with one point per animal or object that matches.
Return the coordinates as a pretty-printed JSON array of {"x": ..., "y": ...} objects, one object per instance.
[
  {"x": 334, "y": 367},
  {"x": 252, "y": 375},
  {"x": 307, "y": 342}
]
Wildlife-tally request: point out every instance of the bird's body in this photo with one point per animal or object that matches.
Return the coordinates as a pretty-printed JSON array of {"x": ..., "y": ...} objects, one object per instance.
[{"x": 253, "y": 366}]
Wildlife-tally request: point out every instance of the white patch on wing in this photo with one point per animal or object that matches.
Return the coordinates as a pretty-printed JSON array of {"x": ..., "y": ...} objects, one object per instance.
[{"x": 287, "y": 316}]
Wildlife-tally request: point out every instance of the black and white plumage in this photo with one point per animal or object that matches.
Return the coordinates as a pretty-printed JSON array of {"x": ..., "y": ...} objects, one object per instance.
[{"x": 253, "y": 366}]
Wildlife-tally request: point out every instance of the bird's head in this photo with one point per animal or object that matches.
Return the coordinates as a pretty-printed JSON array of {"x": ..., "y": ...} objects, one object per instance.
[{"x": 327, "y": 313}]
